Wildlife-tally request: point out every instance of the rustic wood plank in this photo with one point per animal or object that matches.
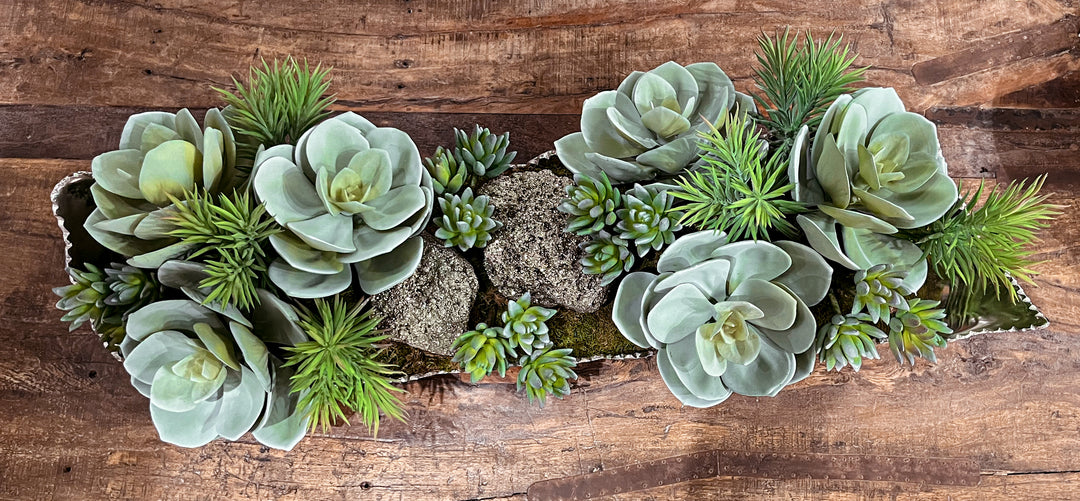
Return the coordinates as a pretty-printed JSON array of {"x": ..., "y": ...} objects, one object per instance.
[
  {"x": 486, "y": 56},
  {"x": 72, "y": 427}
]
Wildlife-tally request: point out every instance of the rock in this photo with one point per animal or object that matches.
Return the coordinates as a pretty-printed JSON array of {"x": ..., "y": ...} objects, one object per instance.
[
  {"x": 532, "y": 253},
  {"x": 430, "y": 309}
]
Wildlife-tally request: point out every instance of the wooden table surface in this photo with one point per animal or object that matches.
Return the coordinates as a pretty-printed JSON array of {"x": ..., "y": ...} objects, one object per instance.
[{"x": 1000, "y": 77}]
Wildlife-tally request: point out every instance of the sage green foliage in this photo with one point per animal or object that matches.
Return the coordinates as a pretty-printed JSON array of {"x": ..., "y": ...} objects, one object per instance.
[
  {"x": 916, "y": 331},
  {"x": 879, "y": 289},
  {"x": 338, "y": 368},
  {"x": 649, "y": 125},
  {"x": 726, "y": 317},
  {"x": 647, "y": 218},
  {"x": 483, "y": 350},
  {"x": 981, "y": 246},
  {"x": 448, "y": 175},
  {"x": 104, "y": 298},
  {"x": 524, "y": 324},
  {"x": 482, "y": 152},
  {"x": 466, "y": 221},
  {"x": 349, "y": 196},
  {"x": 208, "y": 375},
  {"x": 279, "y": 102},
  {"x": 848, "y": 340},
  {"x": 162, "y": 156},
  {"x": 546, "y": 372},
  {"x": 608, "y": 255},
  {"x": 739, "y": 189},
  {"x": 798, "y": 82},
  {"x": 591, "y": 203},
  {"x": 228, "y": 236}
]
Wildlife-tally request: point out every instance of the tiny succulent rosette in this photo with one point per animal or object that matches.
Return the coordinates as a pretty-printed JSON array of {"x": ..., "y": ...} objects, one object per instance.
[
  {"x": 348, "y": 193},
  {"x": 873, "y": 165},
  {"x": 916, "y": 331},
  {"x": 546, "y": 372},
  {"x": 483, "y": 350},
  {"x": 104, "y": 298},
  {"x": 482, "y": 152},
  {"x": 848, "y": 340},
  {"x": 647, "y": 219},
  {"x": 606, "y": 255},
  {"x": 466, "y": 221},
  {"x": 591, "y": 203},
  {"x": 726, "y": 317},
  {"x": 448, "y": 175},
  {"x": 649, "y": 125},
  {"x": 524, "y": 324},
  {"x": 879, "y": 289},
  {"x": 208, "y": 375},
  {"x": 162, "y": 157}
]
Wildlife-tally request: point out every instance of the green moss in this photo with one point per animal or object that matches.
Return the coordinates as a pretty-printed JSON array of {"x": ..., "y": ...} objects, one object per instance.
[{"x": 589, "y": 334}]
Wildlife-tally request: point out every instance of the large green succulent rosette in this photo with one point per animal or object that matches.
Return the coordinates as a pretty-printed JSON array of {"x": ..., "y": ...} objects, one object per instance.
[
  {"x": 873, "y": 165},
  {"x": 161, "y": 155},
  {"x": 348, "y": 193},
  {"x": 649, "y": 124},
  {"x": 208, "y": 375},
  {"x": 726, "y": 317}
]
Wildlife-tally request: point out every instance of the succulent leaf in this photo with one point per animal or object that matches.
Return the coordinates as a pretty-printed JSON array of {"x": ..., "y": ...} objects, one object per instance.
[
  {"x": 524, "y": 324},
  {"x": 482, "y": 152},
  {"x": 448, "y": 173},
  {"x": 104, "y": 297},
  {"x": 466, "y": 221},
  {"x": 483, "y": 350},
  {"x": 647, "y": 219},
  {"x": 879, "y": 289},
  {"x": 917, "y": 330},
  {"x": 591, "y": 203},
  {"x": 546, "y": 372},
  {"x": 848, "y": 340},
  {"x": 607, "y": 255}
]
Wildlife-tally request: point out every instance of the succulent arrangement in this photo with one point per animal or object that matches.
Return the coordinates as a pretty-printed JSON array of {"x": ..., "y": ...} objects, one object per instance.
[{"x": 746, "y": 237}]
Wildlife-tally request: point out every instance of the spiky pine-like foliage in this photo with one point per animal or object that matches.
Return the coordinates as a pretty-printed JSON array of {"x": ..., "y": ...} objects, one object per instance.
[
  {"x": 980, "y": 246},
  {"x": 916, "y": 331},
  {"x": 339, "y": 370},
  {"x": 798, "y": 82},
  {"x": 740, "y": 189},
  {"x": 229, "y": 236},
  {"x": 279, "y": 102},
  {"x": 546, "y": 372}
]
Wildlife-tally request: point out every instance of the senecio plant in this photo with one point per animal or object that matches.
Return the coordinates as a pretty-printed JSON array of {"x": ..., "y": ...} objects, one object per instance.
[{"x": 746, "y": 237}]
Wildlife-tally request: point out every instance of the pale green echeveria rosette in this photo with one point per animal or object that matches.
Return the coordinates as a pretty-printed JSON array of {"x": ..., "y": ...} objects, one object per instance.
[
  {"x": 348, "y": 193},
  {"x": 210, "y": 376},
  {"x": 650, "y": 124},
  {"x": 161, "y": 155},
  {"x": 873, "y": 165},
  {"x": 726, "y": 317}
]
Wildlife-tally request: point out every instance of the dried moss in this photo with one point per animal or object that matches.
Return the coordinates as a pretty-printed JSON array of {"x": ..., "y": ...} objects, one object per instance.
[{"x": 412, "y": 361}]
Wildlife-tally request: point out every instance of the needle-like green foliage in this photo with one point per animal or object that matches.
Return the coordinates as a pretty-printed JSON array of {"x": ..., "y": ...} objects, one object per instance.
[
  {"x": 799, "y": 82},
  {"x": 276, "y": 105},
  {"x": 738, "y": 190},
  {"x": 339, "y": 366},
  {"x": 979, "y": 247},
  {"x": 229, "y": 235}
]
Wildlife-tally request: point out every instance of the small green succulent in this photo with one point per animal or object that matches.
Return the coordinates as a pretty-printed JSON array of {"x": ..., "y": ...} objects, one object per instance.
[
  {"x": 466, "y": 221},
  {"x": 879, "y": 289},
  {"x": 546, "y": 372},
  {"x": 448, "y": 173},
  {"x": 647, "y": 219},
  {"x": 847, "y": 340},
  {"x": 482, "y": 350},
  {"x": 104, "y": 297},
  {"x": 525, "y": 325},
  {"x": 592, "y": 204},
  {"x": 916, "y": 331},
  {"x": 482, "y": 152},
  {"x": 608, "y": 255}
]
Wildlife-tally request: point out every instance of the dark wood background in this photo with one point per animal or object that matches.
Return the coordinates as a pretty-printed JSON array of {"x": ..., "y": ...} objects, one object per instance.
[{"x": 1000, "y": 77}]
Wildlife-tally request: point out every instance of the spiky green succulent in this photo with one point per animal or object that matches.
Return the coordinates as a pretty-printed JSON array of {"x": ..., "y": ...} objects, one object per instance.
[
  {"x": 592, "y": 203},
  {"x": 879, "y": 289},
  {"x": 916, "y": 331},
  {"x": 525, "y": 324},
  {"x": 546, "y": 372},
  {"x": 466, "y": 221},
  {"x": 448, "y": 173},
  {"x": 606, "y": 254},
  {"x": 647, "y": 219},
  {"x": 482, "y": 152},
  {"x": 848, "y": 340},
  {"x": 104, "y": 297},
  {"x": 483, "y": 350}
]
